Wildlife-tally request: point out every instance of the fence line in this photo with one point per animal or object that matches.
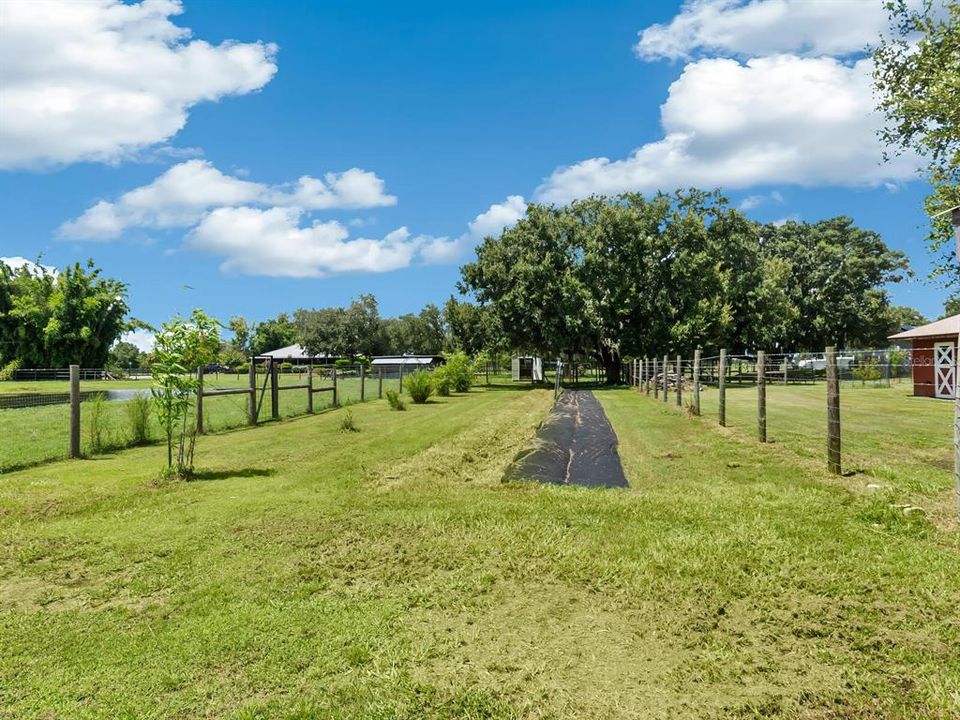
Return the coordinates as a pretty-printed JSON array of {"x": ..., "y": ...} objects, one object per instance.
[
  {"x": 43, "y": 425},
  {"x": 930, "y": 374}
]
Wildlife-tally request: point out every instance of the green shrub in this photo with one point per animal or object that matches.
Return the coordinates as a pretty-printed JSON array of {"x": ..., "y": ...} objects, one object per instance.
[
  {"x": 442, "y": 382},
  {"x": 343, "y": 363},
  {"x": 459, "y": 369},
  {"x": 7, "y": 371},
  {"x": 420, "y": 386},
  {"x": 138, "y": 419},
  {"x": 242, "y": 368},
  {"x": 396, "y": 402},
  {"x": 868, "y": 370},
  {"x": 286, "y": 367}
]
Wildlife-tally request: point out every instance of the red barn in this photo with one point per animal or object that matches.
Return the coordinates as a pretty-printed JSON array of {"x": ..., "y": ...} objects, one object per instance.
[{"x": 934, "y": 357}]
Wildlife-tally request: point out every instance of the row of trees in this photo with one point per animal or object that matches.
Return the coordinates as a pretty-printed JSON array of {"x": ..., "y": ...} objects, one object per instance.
[
  {"x": 359, "y": 330},
  {"x": 631, "y": 275}
]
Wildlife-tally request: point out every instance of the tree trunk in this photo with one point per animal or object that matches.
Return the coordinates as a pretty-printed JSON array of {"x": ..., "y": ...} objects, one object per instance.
[{"x": 612, "y": 365}]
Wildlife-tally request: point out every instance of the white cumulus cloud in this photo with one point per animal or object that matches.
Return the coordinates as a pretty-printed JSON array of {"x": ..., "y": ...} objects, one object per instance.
[
  {"x": 353, "y": 189},
  {"x": 16, "y": 262},
  {"x": 275, "y": 242},
  {"x": 182, "y": 195},
  {"x": 754, "y": 201},
  {"x": 491, "y": 222},
  {"x": 778, "y": 119},
  {"x": 144, "y": 340},
  {"x": 98, "y": 80},
  {"x": 765, "y": 27}
]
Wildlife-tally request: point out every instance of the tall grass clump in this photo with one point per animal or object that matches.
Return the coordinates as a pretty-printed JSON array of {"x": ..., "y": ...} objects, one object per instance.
[
  {"x": 396, "y": 402},
  {"x": 420, "y": 386},
  {"x": 96, "y": 424},
  {"x": 347, "y": 423},
  {"x": 138, "y": 419}
]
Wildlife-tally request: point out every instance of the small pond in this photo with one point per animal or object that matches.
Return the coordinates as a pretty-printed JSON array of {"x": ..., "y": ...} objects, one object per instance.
[{"x": 10, "y": 401}]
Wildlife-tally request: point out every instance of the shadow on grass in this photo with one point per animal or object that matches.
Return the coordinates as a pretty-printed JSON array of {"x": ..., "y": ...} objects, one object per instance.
[
  {"x": 201, "y": 475},
  {"x": 515, "y": 387}
]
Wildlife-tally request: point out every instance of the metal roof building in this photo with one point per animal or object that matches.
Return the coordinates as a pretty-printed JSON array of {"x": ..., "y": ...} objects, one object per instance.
[
  {"x": 295, "y": 354},
  {"x": 391, "y": 365}
]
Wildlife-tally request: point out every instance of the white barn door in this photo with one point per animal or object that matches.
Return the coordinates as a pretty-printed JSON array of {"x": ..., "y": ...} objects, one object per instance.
[{"x": 944, "y": 370}]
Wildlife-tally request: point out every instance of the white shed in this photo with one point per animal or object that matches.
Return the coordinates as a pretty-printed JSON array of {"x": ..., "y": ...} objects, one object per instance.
[{"x": 527, "y": 368}]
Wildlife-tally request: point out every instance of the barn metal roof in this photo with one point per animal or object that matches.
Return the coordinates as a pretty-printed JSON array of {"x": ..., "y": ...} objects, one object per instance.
[
  {"x": 291, "y": 351},
  {"x": 947, "y": 326},
  {"x": 405, "y": 359}
]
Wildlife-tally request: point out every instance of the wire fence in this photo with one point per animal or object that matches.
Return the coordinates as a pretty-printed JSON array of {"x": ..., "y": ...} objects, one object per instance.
[
  {"x": 37, "y": 420},
  {"x": 885, "y": 413}
]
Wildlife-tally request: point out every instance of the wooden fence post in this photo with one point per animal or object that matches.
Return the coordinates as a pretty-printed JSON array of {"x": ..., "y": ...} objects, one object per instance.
[
  {"x": 955, "y": 219},
  {"x": 956, "y": 403},
  {"x": 833, "y": 412},
  {"x": 74, "y": 411},
  {"x": 722, "y": 389},
  {"x": 656, "y": 381},
  {"x": 380, "y": 383},
  {"x": 335, "y": 394},
  {"x": 200, "y": 400},
  {"x": 696, "y": 381},
  {"x": 363, "y": 383},
  {"x": 666, "y": 367},
  {"x": 401, "y": 376},
  {"x": 310, "y": 388},
  {"x": 679, "y": 381},
  {"x": 785, "y": 364},
  {"x": 274, "y": 390},
  {"x": 761, "y": 396},
  {"x": 252, "y": 400}
]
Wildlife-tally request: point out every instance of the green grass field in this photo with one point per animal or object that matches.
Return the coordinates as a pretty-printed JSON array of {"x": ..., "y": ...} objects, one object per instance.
[
  {"x": 39, "y": 434},
  {"x": 388, "y": 573},
  {"x": 889, "y": 437}
]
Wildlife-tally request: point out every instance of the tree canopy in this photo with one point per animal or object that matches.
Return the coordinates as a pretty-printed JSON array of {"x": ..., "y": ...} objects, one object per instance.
[
  {"x": 422, "y": 333},
  {"x": 917, "y": 77},
  {"x": 632, "y": 275},
  {"x": 272, "y": 334},
  {"x": 55, "y": 319},
  {"x": 343, "y": 332}
]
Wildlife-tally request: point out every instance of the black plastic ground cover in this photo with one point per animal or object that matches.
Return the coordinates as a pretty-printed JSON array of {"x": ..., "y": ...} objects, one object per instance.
[{"x": 576, "y": 445}]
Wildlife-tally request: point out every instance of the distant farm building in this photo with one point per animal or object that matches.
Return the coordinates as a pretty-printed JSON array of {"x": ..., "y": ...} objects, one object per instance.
[
  {"x": 392, "y": 365},
  {"x": 934, "y": 353},
  {"x": 527, "y": 368},
  {"x": 297, "y": 355}
]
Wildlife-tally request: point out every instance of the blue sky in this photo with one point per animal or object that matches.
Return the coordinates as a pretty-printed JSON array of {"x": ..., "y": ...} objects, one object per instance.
[{"x": 444, "y": 111}]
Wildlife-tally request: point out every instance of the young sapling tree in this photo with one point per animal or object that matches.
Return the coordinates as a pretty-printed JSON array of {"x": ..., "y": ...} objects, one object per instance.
[{"x": 181, "y": 346}]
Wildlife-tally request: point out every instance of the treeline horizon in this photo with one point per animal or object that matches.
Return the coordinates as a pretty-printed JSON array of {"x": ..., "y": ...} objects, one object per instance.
[{"x": 604, "y": 278}]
